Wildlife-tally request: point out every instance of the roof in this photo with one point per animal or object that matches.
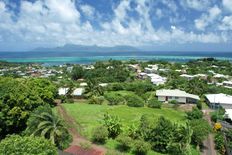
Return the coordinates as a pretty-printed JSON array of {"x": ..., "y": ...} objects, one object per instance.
[
  {"x": 186, "y": 75},
  {"x": 77, "y": 150},
  {"x": 78, "y": 91},
  {"x": 228, "y": 113},
  {"x": 175, "y": 93},
  {"x": 83, "y": 84},
  {"x": 227, "y": 82},
  {"x": 63, "y": 91},
  {"x": 219, "y": 98}
]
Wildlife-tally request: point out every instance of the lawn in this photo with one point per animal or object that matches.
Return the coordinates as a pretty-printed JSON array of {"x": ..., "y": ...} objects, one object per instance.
[{"x": 89, "y": 116}]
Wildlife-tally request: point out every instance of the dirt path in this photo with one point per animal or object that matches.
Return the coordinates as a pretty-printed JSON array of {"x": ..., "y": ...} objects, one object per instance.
[
  {"x": 209, "y": 146},
  {"x": 77, "y": 138}
]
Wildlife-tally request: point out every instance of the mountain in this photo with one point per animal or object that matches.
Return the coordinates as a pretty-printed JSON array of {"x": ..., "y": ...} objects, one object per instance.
[{"x": 83, "y": 48}]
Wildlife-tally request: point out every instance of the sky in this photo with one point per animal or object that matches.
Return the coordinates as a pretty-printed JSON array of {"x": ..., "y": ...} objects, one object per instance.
[{"x": 178, "y": 25}]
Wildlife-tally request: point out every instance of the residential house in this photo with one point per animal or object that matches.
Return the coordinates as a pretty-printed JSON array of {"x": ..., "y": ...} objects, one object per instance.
[
  {"x": 227, "y": 84},
  {"x": 166, "y": 95},
  {"x": 219, "y": 100},
  {"x": 78, "y": 92},
  {"x": 63, "y": 91}
]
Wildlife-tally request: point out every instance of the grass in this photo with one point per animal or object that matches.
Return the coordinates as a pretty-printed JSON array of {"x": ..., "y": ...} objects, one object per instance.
[{"x": 89, "y": 116}]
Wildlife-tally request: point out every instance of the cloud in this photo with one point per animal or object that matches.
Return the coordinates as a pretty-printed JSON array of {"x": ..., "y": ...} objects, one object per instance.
[
  {"x": 58, "y": 22},
  {"x": 198, "y": 5},
  {"x": 88, "y": 10},
  {"x": 227, "y": 4},
  {"x": 207, "y": 18}
]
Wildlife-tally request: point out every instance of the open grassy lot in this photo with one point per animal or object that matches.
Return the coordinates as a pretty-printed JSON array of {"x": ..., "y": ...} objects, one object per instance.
[{"x": 89, "y": 116}]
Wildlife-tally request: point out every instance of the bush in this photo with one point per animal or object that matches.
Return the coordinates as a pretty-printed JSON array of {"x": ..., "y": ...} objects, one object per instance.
[
  {"x": 134, "y": 101},
  {"x": 124, "y": 142},
  {"x": 113, "y": 124},
  {"x": 199, "y": 105},
  {"x": 194, "y": 114},
  {"x": 113, "y": 152},
  {"x": 100, "y": 134},
  {"x": 220, "y": 142},
  {"x": 154, "y": 103},
  {"x": 96, "y": 100},
  {"x": 141, "y": 147},
  {"x": 114, "y": 99},
  {"x": 85, "y": 145},
  {"x": 16, "y": 144},
  {"x": 116, "y": 86},
  {"x": 173, "y": 102}
]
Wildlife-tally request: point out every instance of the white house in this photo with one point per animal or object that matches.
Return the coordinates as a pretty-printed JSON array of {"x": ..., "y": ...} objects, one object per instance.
[
  {"x": 227, "y": 84},
  {"x": 228, "y": 114},
  {"x": 186, "y": 76},
  {"x": 78, "y": 92},
  {"x": 63, "y": 91},
  {"x": 103, "y": 84},
  {"x": 165, "y": 95},
  {"x": 157, "y": 79},
  {"x": 83, "y": 84},
  {"x": 219, "y": 100}
]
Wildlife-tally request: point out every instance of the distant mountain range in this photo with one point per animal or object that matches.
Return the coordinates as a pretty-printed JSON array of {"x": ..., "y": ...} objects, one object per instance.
[{"x": 82, "y": 48}]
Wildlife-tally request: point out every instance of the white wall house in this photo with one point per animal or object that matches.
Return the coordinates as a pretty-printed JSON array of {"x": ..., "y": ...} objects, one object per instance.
[
  {"x": 219, "y": 100},
  {"x": 227, "y": 84},
  {"x": 165, "y": 95},
  {"x": 63, "y": 91},
  {"x": 157, "y": 79},
  {"x": 78, "y": 92}
]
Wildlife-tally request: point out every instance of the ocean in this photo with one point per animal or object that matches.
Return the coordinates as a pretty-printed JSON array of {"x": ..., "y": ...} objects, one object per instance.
[{"x": 51, "y": 58}]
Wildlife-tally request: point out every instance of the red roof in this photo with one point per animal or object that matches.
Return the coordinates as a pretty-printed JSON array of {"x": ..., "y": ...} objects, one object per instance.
[{"x": 77, "y": 150}]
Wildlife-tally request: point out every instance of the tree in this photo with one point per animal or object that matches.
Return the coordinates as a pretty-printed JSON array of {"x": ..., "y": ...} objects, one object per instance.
[
  {"x": 180, "y": 142},
  {"x": 77, "y": 72},
  {"x": 145, "y": 127},
  {"x": 134, "y": 101},
  {"x": 18, "y": 98},
  {"x": 43, "y": 122},
  {"x": 194, "y": 114},
  {"x": 100, "y": 134},
  {"x": 93, "y": 88},
  {"x": 113, "y": 124},
  {"x": 154, "y": 103},
  {"x": 124, "y": 142},
  {"x": 140, "y": 147},
  {"x": 201, "y": 130},
  {"x": 16, "y": 144},
  {"x": 161, "y": 135}
]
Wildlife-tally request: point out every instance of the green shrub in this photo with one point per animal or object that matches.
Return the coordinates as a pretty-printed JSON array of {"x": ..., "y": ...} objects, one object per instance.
[
  {"x": 96, "y": 100},
  {"x": 85, "y": 145},
  {"x": 154, "y": 103},
  {"x": 116, "y": 86},
  {"x": 134, "y": 101},
  {"x": 15, "y": 144},
  {"x": 220, "y": 143},
  {"x": 140, "y": 147},
  {"x": 100, "y": 134},
  {"x": 124, "y": 142},
  {"x": 113, "y": 152},
  {"x": 194, "y": 114},
  {"x": 113, "y": 124},
  {"x": 173, "y": 102},
  {"x": 114, "y": 99},
  {"x": 199, "y": 105}
]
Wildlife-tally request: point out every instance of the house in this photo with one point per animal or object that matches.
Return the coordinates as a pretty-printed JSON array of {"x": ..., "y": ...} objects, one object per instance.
[
  {"x": 78, "y": 92},
  {"x": 103, "y": 84},
  {"x": 142, "y": 75},
  {"x": 157, "y": 79},
  {"x": 219, "y": 100},
  {"x": 83, "y": 84},
  {"x": 227, "y": 84},
  {"x": 133, "y": 67},
  {"x": 186, "y": 76},
  {"x": 63, "y": 91},
  {"x": 165, "y": 95}
]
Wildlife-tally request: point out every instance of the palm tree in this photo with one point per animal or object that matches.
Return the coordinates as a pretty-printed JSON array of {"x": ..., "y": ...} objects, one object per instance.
[{"x": 50, "y": 126}]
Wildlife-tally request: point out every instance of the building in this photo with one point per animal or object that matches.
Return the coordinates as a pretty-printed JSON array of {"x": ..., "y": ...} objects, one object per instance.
[
  {"x": 157, "y": 79},
  {"x": 63, "y": 91},
  {"x": 83, "y": 84},
  {"x": 219, "y": 100},
  {"x": 227, "y": 84},
  {"x": 166, "y": 95},
  {"x": 78, "y": 92},
  {"x": 186, "y": 76}
]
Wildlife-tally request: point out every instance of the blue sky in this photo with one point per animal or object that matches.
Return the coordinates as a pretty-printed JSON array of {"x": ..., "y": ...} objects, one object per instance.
[{"x": 178, "y": 25}]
